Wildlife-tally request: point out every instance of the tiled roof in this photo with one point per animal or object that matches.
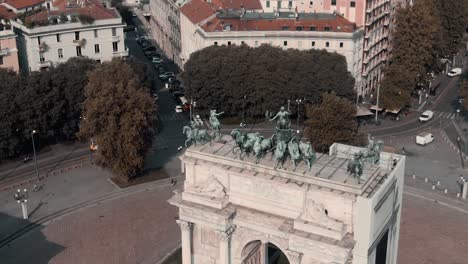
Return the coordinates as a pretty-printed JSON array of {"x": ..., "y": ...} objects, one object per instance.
[
  {"x": 197, "y": 10},
  {"x": 91, "y": 8},
  {"x": 336, "y": 24},
  {"x": 238, "y": 4},
  {"x": 6, "y": 13},
  {"x": 19, "y": 4}
]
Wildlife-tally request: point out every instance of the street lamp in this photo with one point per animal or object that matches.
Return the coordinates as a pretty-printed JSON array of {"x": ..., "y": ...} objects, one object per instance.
[
  {"x": 192, "y": 104},
  {"x": 242, "y": 125},
  {"x": 458, "y": 114},
  {"x": 21, "y": 196},
  {"x": 460, "y": 151},
  {"x": 298, "y": 101},
  {"x": 377, "y": 106},
  {"x": 34, "y": 152},
  {"x": 461, "y": 183},
  {"x": 289, "y": 102}
]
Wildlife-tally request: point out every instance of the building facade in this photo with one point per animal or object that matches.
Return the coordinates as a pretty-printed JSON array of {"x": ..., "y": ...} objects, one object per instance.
[
  {"x": 21, "y": 6},
  {"x": 89, "y": 30},
  {"x": 8, "y": 49},
  {"x": 202, "y": 26},
  {"x": 165, "y": 27},
  {"x": 234, "y": 211}
]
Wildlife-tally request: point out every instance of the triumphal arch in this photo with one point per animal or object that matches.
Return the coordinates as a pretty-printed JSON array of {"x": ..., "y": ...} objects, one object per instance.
[{"x": 343, "y": 207}]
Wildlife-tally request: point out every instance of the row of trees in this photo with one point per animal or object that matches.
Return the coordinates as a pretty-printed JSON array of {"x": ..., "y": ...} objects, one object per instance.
[
  {"x": 425, "y": 33},
  {"x": 220, "y": 76},
  {"x": 110, "y": 102}
]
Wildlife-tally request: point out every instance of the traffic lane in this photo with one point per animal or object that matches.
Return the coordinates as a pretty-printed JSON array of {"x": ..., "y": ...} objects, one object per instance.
[
  {"x": 447, "y": 97},
  {"x": 409, "y": 128},
  {"x": 436, "y": 160}
]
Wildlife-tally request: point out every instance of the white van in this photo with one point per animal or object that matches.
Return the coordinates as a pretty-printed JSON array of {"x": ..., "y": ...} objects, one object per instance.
[{"x": 424, "y": 138}]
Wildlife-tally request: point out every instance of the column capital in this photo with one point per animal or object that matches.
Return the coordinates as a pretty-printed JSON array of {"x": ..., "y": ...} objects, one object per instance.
[
  {"x": 184, "y": 225},
  {"x": 226, "y": 235},
  {"x": 294, "y": 257}
]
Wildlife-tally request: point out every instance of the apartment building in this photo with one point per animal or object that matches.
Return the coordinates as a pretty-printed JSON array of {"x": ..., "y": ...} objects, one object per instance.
[
  {"x": 8, "y": 49},
  {"x": 165, "y": 26},
  {"x": 203, "y": 24},
  {"x": 69, "y": 29}
]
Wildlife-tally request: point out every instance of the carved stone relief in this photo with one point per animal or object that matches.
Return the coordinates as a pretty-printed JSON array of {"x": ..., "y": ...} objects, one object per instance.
[
  {"x": 315, "y": 212},
  {"x": 211, "y": 187}
]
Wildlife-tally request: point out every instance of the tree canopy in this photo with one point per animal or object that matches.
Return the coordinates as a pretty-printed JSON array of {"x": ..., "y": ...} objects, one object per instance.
[
  {"x": 219, "y": 77},
  {"x": 332, "y": 120},
  {"x": 118, "y": 113}
]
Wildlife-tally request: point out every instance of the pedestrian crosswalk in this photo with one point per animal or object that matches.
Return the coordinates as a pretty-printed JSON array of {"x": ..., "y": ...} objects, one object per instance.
[{"x": 445, "y": 115}]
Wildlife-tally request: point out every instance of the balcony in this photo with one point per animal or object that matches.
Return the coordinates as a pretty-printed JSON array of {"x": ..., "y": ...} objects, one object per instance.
[
  {"x": 4, "y": 52},
  {"x": 44, "y": 64},
  {"x": 120, "y": 53},
  {"x": 79, "y": 42}
]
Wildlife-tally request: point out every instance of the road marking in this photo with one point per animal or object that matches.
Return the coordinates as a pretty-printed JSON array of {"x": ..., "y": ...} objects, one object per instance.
[{"x": 421, "y": 106}]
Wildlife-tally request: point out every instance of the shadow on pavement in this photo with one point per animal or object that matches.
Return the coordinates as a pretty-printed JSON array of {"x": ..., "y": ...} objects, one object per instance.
[{"x": 31, "y": 247}]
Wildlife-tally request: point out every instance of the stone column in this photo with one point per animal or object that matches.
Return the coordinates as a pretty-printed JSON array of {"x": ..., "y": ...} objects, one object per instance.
[
  {"x": 224, "y": 250},
  {"x": 186, "y": 230}
]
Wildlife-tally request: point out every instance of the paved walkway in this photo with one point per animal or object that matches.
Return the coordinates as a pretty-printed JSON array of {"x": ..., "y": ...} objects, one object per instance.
[
  {"x": 138, "y": 228},
  {"x": 432, "y": 234}
]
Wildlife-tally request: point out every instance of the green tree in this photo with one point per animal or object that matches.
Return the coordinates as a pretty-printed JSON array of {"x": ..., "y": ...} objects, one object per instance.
[
  {"x": 219, "y": 77},
  {"x": 415, "y": 37},
  {"x": 11, "y": 137},
  {"x": 332, "y": 120},
  {"x": 118, "y": 112},
  {"x": 452, "y": 16}
]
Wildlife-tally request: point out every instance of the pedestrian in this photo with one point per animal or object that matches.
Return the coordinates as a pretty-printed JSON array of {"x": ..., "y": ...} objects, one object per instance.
[{"x": 403, "y": 150}]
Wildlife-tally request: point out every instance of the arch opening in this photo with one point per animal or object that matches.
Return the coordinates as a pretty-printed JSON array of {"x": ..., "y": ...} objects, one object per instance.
[{"x": 256, "y": 252}]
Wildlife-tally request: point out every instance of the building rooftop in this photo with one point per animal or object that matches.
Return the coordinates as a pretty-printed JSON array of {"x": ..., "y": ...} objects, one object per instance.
[
  {"x": 327, "y": 172},
  {"x": 198, "y": 10},
  {"x": 6, "y": 13},
  {"x": 85, "y": 11},
  {"x": 20, "y": 4},
  {"x": 228, "y": 21},
  {"x": 238, "y": 4}
]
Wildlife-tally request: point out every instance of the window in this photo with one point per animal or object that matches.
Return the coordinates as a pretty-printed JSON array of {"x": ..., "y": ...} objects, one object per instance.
[
  {"x": 95, "y": 33},
  {"x": 96, "y": 48},
  {"x": 341, "y": 44},
  {"x": 98, "y": 61},
  {"x": 216, "y": 43},
  {"x": 326, "y": 28},
  {"x": 38, "y": 40},
  {"x": 1, "y": 60},
  {"x": 41, "y": 57},
  {"x": 285, "y": 43},
  {"x": 333, "y": 2},
  {"x": 299, "y": 28},
  {"x": 242, "y": 42},
  {"x": 115, "y": 47},
  {"x": 279, "y": 5},
  {"x": 267, "y": 3},
  {"x": 60, "y": 53},
  {"x": 290, "y": 4},
  {"x": 313, "y": 28},
  {"x": 311, "y": 3},
  {"x": 352, "y": 4},
  {"x": 58, "y": 37},
  {"x": 77, "y": 35},
  {"x": 78, "y": 51},
  {"x": 114, "y": 32},
  {"x": 313, "y": 43},
  {"x": 327, "y": 44},
  {"x": 256, "y": 43},
  {"x": 284, "y": 28},
  {"x": 229, "y": 43}
]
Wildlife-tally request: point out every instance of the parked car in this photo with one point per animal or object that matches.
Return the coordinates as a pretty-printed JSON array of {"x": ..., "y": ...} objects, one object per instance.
[
  {"x": 166, "y": 75},
  {"x": 150, "y": 54},
  {"x": 178, "y": 109},
  {"x": 173, "y": 81},
  {"x": 144, "y": 43},
  {"x": 424, "y": 138},
  {"x": 178, "y": 93},
  {"x": 149, "y": 48},
  {"x": 426, "y": 116},
  {"x": 157, "y": 60},
  {"x": 454, "y": 72},
  {"x": 128, "y": 28}
]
